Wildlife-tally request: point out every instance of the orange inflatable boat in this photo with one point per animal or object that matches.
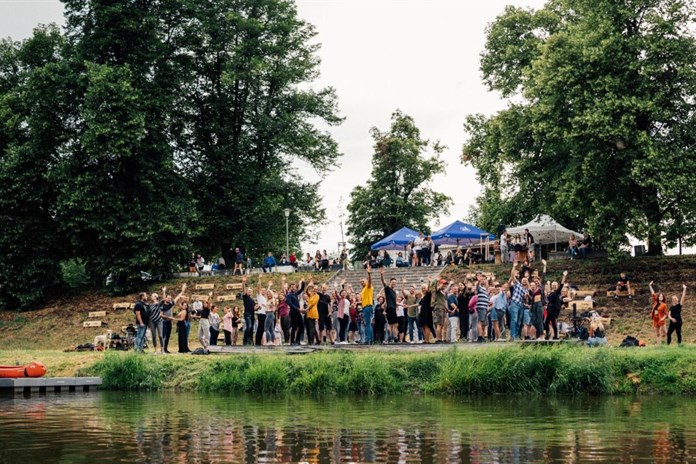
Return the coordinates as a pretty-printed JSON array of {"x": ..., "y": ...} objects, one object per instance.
[{"x": 35, "y": 369}]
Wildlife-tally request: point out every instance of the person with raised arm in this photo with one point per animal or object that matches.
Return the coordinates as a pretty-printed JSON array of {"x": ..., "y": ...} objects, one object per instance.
[
  {"x": 284, "y": 312},
  {"x": 516, "y": 308},
  {"x": 292, "y": 298},
  {"x": 658, "y": 314},
  {"x": 554, "y": 305},
  {"x": 675, "y": 317},
  {"x": 390, "y": 304},
  {"x": 167, "y": 315},
  {"x": 249, "y": 310},
  {"x": 367, "y": 302},
  {"x": 312, "y": 314}
]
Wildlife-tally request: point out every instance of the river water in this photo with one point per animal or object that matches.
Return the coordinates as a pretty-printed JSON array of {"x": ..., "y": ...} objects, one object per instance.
[{"x": 183, "y": 427}]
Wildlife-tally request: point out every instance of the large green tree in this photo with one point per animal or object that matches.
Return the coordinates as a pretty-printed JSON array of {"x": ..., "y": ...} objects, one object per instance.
[
  {"x": 249, "y": 116},
  {"x": 32, "y": 129},
  {"x": 600, "y": 129},
  {"x": 397, "y": 193},
  {"x": 149, "y": 129}
]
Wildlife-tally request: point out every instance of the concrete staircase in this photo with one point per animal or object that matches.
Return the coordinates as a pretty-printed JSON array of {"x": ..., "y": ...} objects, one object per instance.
[{"x": 412, "y": 276}]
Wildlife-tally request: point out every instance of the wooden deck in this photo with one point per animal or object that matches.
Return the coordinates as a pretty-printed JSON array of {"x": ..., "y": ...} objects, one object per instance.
[{"x": 28, "y": 386}]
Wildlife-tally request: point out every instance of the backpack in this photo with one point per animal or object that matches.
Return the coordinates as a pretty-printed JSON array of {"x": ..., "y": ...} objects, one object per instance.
[{"x": 629, "y": 341}]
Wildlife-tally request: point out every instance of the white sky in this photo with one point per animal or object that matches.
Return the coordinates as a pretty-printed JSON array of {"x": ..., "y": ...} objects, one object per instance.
[{"x": 418, "y": 56}]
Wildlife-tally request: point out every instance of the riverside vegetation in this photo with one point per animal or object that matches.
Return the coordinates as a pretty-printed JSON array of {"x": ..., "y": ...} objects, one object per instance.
[{"x": 490, "y": 370}]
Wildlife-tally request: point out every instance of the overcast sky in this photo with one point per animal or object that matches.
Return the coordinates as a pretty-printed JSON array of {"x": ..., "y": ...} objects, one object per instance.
[{"x": 421, "y": 57}]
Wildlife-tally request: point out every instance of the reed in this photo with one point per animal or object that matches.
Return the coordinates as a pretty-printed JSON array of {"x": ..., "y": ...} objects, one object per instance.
[{"x": 491, "y": 370}]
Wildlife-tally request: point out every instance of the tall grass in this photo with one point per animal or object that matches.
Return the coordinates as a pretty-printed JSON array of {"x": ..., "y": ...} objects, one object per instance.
[{"x": 511, "y": 370}]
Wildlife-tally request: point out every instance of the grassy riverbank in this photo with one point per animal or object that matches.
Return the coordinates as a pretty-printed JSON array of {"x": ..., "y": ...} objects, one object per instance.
[{"x": 494, "y": 370}]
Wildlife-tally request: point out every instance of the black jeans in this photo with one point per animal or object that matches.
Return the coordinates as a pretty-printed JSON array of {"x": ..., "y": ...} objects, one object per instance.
[
  {"x": 309, "y": 326},
  {"x": 463, "y": 323},
  {"x": 285, "y": 325},
  {"x": 674, "y": 326},
  {"x": 343, "y": 324},
  {"x": 183, "y": 337},
  {"x": 228, "y": 337},
  {"x": 260, "y": 328},
  {"x": 214, "y": 336},
  {"x": 296, "y": 326},
  {"x": 248, "y": 329},
  {"x": 166, "y": 334}
]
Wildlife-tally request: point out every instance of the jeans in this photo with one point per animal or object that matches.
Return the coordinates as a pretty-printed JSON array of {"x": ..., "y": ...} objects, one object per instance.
[
  {"x": 166, "y": 334},
  {"x": 504, "y": 254},
  {"x": 571, "y": 252},
  {"x": 260, "y": 328},
  {"x": 413, "y": 322},
  {"x": 473, "y": 326},
  {"x": 140, "y": 337},
  {"x": 156, "y": 331},
  {"x": 214, "y": 336},
  {"x": 515, "y": 320},
  {"x": 296, "y": 326},
  {"x": 269, "y": 328},
  {"x": 368, "y": 312},
  {"x": 454, "y": 325},
  {"x": 310, "y": 325},
  {"x": 203, "y": 333},
  {"x": 248, "y": 328}
]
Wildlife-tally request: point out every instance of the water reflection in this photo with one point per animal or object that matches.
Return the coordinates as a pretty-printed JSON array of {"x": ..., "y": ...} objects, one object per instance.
[{"x": 188, "y": 428}]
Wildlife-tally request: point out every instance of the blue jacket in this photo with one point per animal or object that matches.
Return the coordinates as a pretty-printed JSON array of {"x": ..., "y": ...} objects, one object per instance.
[{"x": 269, "y": 261}]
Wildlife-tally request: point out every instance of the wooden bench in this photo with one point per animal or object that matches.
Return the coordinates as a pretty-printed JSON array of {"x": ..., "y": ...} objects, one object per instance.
[
  {"x": 205, "y": 286},
  {"x": 606, "y": 321},
  {"x": 92, "y": 324},
  {"x": 93, "y": 314},
  {"x": 581, "y": 305},
  {"x": 200, "y": 297},
  {"x": 584, "y": 293},
  {"x": 612, "y": 293},
  {"x": 124, "y": 305},
  {"x": 231, "y": 297},
  {"x": 234, "y": 286}
]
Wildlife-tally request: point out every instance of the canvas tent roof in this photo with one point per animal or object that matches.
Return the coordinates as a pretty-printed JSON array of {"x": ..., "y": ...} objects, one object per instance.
[
  {"x": 460, "y": 233},
  {"x": 396, "y": 241},
  {"x": 545, "y": 230}
]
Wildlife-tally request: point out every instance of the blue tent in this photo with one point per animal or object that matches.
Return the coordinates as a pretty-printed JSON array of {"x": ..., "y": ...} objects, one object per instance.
[
  {"x": 396, "y": 241},
  {"x": 460, "y": 233}
]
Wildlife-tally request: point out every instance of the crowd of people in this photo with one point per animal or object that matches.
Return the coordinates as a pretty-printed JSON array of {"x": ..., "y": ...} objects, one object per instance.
[{"x": 524, "y": 306}]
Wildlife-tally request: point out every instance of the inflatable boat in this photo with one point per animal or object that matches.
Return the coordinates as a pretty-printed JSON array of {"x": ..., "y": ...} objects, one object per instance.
[{"x": 35, "y": 369}]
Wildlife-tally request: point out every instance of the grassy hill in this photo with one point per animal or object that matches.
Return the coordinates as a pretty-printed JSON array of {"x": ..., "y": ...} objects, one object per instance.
[{"x": 58, "y": 325}]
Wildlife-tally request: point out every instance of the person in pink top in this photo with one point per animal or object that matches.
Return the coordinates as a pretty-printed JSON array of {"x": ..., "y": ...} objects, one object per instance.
[{"x": 227, "y": 325}]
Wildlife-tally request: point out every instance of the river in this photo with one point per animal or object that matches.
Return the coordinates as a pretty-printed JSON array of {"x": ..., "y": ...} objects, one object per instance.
[{"x": 191, "y": 428}]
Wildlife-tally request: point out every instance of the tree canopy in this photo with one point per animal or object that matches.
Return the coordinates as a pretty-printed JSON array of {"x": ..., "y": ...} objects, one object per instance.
[
  {"x": 148, "y": 130},
  {"x": 397, "y": 194},
  {"x": 600, "y": 130}
]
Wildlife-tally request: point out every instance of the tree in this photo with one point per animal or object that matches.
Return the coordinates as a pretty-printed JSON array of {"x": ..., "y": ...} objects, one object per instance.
[
  {"x": 600, "y": 131},
  {"x": 250, "y": 116},
  {"x": 397, "y": 192},
  {"x": 30, "y": 78}
]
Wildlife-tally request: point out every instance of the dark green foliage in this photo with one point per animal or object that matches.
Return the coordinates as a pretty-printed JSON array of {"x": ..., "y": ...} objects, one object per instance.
[
  {"x": 600, "y": 130},
  {"x": 152, "y": 129},
  {"x": 397, "y": 194}
]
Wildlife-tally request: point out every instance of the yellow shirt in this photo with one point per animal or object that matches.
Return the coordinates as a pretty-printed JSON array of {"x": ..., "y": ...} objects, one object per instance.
[
  {"x": 312, "y": 311},
  {"x": 366, "y": 296}
]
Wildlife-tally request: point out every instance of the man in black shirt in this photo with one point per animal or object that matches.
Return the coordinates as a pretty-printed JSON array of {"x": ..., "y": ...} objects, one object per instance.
[
  {"x": 249, "y": 311},
  {"x": 390, "y": 305},
  {"x": 292, "y": 298},
  {"x": 141, "y": 320},
  {"x": 167, "y": 306},
  {"x": 553, "y": 308},
  {"x": 325, "y": 325}
]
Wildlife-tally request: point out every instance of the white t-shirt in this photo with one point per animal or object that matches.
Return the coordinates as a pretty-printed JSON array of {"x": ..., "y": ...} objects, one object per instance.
[
  {"x": 263, "y": 304},
  {"x": 399, "y": 311}
]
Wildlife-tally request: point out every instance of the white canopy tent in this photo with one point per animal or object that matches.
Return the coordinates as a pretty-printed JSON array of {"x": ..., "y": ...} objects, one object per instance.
[{"x": 546, "y": 230}]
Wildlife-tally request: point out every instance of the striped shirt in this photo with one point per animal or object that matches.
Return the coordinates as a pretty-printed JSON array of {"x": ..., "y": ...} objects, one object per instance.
[
  {"x": 518, "y": 292},
  {"x": 482, "y": 298},
  {"x": 155, "y": 310}
]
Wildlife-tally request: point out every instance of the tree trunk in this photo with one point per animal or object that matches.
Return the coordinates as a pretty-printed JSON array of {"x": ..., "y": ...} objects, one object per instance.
[{"x": 654, "y": 217}]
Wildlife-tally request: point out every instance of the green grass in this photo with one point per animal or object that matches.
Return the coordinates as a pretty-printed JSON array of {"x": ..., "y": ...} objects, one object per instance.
[{"x": 535, "y": 371}]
